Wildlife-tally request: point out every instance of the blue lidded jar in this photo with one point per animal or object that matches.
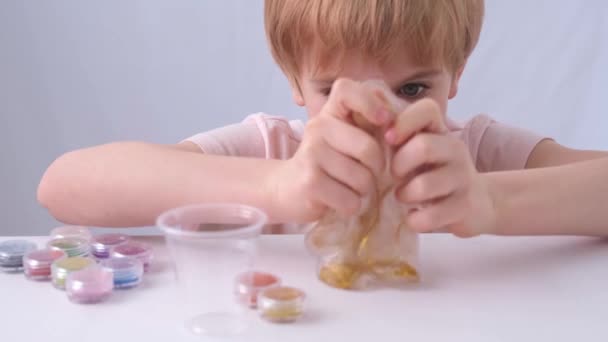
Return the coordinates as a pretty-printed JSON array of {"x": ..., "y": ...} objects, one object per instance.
[
  {"x": 127, "y": 272},
  {"x": 12, "y": 253}
]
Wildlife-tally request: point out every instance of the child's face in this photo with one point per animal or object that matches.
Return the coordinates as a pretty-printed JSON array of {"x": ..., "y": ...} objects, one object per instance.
[{"x": 408, "y": 81}]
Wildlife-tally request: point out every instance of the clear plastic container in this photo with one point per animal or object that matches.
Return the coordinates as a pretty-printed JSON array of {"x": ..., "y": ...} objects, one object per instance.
[
  {"x": 72, "y": 246},
  {"x": 135, "y": 250},
  {"x": 210, "y": 245},
  {"x": 249, "y": 284},
  {"x": 37, "y": 264},
  {"x": 281, "y": 304},
  {"x": 127, "y": 272},
  {"x": 61, "y": 268},
  {"x": 71, "y": 232},
  {"x": 11, "y": 254},
  {"x": 101, "y": 245},
  {"x": 90, "y": 285}
]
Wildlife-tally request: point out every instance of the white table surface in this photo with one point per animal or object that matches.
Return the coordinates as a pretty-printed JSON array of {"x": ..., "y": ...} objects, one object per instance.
[{"x": 482, "y": 289}]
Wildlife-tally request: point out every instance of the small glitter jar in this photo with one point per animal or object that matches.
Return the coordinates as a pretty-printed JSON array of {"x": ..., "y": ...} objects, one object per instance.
[
  {"x": 78, "y": 232},
  {"x": 101, "y": 245},
  {"x": 249, "y": 284},
  {"x": 127, "y": 272},
  {"x": 72, "y": 246},
  {"x": 135, "y": 250},
  {"x": 281, "y": 304},
  {"x": 11, "y": 254},
  {"x": 37, "y": 264},
  {"x": 90, "y": 285},
  {"x": 62, "y": 267}
]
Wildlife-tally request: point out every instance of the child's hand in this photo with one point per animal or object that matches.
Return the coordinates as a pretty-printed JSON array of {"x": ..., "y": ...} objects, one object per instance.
[
  {"x": 335, "y": 164},
  {"x": 440, "y": 178}
]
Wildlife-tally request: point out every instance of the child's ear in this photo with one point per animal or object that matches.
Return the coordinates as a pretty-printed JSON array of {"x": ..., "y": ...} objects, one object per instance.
[
  {"x": 296, "y": 93},
  {"x": 455, "y": 82}
]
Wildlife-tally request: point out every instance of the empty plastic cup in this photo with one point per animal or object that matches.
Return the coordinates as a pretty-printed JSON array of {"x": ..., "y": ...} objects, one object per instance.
[{"x": 211, "y": 244}]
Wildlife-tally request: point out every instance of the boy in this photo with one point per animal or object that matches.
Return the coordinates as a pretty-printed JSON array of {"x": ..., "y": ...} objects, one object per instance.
[{"x": 397, "y": 62}]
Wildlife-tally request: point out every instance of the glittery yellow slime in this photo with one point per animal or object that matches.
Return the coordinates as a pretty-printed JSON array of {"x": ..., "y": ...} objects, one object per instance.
[
  {"x": 342, "y": 276},
  {"x": 376, "y": 244}
]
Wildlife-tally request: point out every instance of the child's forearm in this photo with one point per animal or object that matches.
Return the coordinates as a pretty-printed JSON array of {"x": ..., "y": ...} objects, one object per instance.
[
  {"x": 570, "y": 199},
  {"x": 129, "y": 184}
]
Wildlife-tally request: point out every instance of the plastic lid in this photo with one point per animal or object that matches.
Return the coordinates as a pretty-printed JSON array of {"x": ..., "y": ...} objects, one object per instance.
[
  {"x": 212, "y": 220},
  {"x": 12, "y": 252},
  {"x": 71, "y": 232},
  {"x": 281, "y": 303},
  {"x": 132, "y": 249},
  {"x": 72, "y": 246},
  {"x": 42, "y": 258},
  {"x": 249, "y": 284},
  {"x": 90, "y": 282},
  {"x": 254, "y": 281},
  {"x": 103, "y": 243},
  {"x": 283, "y": 294},
  {"x": 67, "y": 265},
  {"x": 126, "y": 271}
]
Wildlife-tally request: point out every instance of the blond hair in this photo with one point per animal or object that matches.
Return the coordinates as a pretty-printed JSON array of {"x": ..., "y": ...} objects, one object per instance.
[{"x": 434, "y": 31}]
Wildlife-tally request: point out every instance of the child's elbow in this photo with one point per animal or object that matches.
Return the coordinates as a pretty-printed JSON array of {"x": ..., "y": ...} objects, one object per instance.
[
  {"x": 45, "y": 192},
  {"x": 52, "y": 187}
]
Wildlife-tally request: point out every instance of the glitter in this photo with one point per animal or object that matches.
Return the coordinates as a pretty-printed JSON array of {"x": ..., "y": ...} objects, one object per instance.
[
  {"x": 90, "y": 285},
  {"x": 11, "y": 254},
  {"x": 281, "y": 304},
  {"x": 127, "y": 272},
  {"x": 72, "y": 246},
  {"x": 62, "y": 267},
  {"x": 249, "y": 284},
  {"x": 102, "y": 245},
  {"x": 136, "y": 250},
  {"x": 37, "y": 264},
  {"x": 342, "y": 276}
]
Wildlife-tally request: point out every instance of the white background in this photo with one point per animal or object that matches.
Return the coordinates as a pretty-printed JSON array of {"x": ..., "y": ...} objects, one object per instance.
[{"x": 77, "y": 73}]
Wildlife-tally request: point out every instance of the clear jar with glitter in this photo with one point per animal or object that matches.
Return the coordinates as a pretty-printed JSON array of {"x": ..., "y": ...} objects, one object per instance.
[
  {"x": 248, "y": 285},
  {"x": 90, "y": 285},
  {"x": 60, "y": 269},
  {"x": 11, "y": 254},
  {"x": 102, "y": 245},
  {"x": 72, "y": 246},
  {"x": 281, "y": 304},
  {"x": 37, "y": 263},
  {"x": 127, "y": 272},
  {"x": 79, "y": 232},
  {"x": 136, "y": 250}
]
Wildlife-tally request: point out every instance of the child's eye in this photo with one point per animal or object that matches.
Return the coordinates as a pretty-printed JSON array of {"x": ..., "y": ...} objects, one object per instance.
[{"x": 412, "y": 89}]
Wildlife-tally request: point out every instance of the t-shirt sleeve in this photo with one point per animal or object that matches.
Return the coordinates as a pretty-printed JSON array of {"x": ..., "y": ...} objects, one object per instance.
[
  {"x": 496, "y": 146},
  {"x": 258, "y": 136}
]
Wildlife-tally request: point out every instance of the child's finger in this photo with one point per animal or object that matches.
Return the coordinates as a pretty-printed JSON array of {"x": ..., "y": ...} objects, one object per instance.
[
  {"x": 386, "y": 95},
  {"x": 422, "y": 116},
  {"x": 437, "y": 215},
  {"x": 336, "y": 196},
  {"x": 437, "y": 183},
  {"x": 353, "y": 142},
  {"x": 424, "y": 149},
  {"x": 346, "y": 170},
  {"x": 348, "y": 96}
]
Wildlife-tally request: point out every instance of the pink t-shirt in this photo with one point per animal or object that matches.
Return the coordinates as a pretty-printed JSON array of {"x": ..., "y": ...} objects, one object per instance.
[{"x": 493, "y": 146}]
